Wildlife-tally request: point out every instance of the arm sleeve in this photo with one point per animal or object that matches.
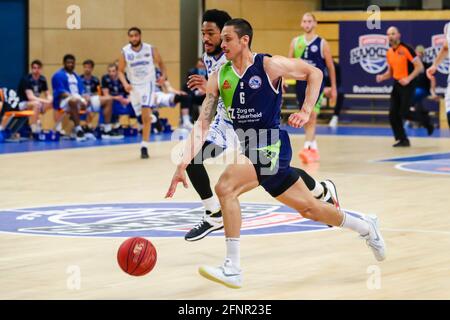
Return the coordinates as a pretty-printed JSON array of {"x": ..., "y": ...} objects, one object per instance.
[
  {"x": 410, "y": 53},
  {"x": 57, "y": 85},
  {"x": 388, "y": 59}
]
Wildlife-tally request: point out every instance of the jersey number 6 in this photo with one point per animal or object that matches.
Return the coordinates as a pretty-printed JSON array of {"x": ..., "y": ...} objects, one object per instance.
[{"x": 242, "y": 97}]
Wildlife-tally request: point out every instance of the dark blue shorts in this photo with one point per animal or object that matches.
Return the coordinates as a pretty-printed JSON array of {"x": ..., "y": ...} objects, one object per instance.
[
  {"x": 271, "y": 155},
  {"x": 300, "y": 91},
  {"x": 119, "y": 109}
]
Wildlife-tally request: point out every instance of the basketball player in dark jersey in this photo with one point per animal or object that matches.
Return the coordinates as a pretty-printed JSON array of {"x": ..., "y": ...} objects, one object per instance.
[
  {"x": 315, "y": 51},
  {"x": 249, "y": 85},
  {"x": 219, "y": 137}
]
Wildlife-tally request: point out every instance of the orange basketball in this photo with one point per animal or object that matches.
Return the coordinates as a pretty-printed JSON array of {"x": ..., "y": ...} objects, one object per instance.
[{"x": 136, "y": 256}]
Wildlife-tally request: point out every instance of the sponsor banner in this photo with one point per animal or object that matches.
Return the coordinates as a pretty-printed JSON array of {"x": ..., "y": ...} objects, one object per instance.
[{"x": 362, "y": 52}]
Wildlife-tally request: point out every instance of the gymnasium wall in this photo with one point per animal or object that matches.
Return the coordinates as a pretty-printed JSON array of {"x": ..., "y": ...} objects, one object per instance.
[
  {"x": 275, "y": 22},
  {"x": 103, "y": 32}
]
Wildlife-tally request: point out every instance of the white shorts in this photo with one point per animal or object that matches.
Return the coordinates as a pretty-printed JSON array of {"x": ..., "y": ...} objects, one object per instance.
[
  {"x": 222, "y": 133},
  {"x": 142, "y": 96},
  {"x": 95, "y": 104},
  {"x": 64, "y": 104},
  {"x": 23, "y": 105}
]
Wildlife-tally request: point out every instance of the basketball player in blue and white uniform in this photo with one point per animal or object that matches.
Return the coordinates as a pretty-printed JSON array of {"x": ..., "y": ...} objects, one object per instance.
[
  {"x": 249, "y": 84},
  {"x": 221, "y": 136},
  {"x": 313, "y": 50},
  {"x": 443, "y": 53},
  {"x": 217, "y": 140},
  {"x": 138, "y": 60}
]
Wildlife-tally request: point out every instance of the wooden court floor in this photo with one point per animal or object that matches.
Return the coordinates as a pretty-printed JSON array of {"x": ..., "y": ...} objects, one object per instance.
[{"x": 414, "y": 212}]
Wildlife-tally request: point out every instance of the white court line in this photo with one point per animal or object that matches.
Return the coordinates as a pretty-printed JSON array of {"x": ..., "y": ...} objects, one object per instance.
[
  {"x": 400, "y": 159},
  {"x": 415, "y": 230},
  {"x": 401, "y": 166}
]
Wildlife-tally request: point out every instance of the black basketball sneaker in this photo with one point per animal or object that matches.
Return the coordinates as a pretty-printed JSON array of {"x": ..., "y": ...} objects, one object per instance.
[
  {"x": 144, "y": 153},
  {"x": 210, "y": 222}
]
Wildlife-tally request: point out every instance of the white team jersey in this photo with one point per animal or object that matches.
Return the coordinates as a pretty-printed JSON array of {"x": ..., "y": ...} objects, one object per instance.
[
  {"x": 212, "y": 65},
  {"x": 73, "y": 83},
  {"x": 140, "y": 67}
]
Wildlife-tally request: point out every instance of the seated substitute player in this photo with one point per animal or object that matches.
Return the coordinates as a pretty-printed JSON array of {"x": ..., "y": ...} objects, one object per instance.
[
  {"x": 249, "y": 85},
  {"x": 112, "y": 87},
  {"x": 67, "y": 93},
  {"x": 165, "y": 94},
  {"x": 34, "y": 94},
  {"x": 97, "y": 102}
]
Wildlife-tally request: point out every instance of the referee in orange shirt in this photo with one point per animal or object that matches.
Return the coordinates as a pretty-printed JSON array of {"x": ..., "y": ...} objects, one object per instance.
[{"x": 404, "y": 66}]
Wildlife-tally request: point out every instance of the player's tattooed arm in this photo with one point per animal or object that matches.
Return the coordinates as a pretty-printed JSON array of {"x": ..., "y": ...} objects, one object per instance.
[
  {"x": 209, "y": 105},
  {"x": 209, "y": 108},
  {"x": 198, "y": 134},
  {"x": 197, "y": 137}
]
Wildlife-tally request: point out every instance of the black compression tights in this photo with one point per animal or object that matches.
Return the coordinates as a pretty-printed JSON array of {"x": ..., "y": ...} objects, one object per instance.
[{"x": 197, "y": 172}]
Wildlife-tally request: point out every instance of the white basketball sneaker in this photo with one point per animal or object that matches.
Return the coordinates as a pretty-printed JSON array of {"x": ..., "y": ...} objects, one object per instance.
[
  {"x": 334, "y": 122},
  {"x": 374, "y": 239},
  {"x": 227, "y": 274}
]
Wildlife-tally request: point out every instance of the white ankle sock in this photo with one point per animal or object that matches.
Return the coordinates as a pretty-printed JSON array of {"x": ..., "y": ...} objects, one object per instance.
[
  {"x": 145, "y": 144},
  {"x": 211, "y": 204},
  {"x": 314, "y": 145},
  {"x": 34, "y": 128},
  {"x": 355, "y": 224},
  {"x": 186, "y": 118},
  {"x": 107, "y": 127},
  {"x": 234, "y": 251},
  {"x": 307, "y": 145}
]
